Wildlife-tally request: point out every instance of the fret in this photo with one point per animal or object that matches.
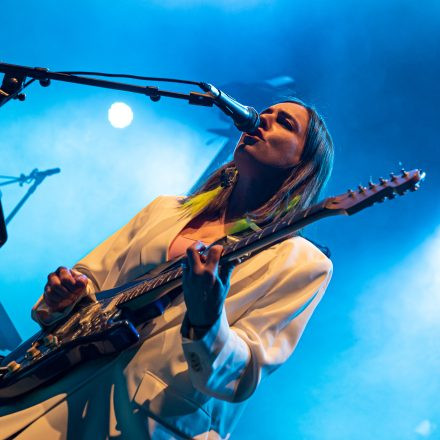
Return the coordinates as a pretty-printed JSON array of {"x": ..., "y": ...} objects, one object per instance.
[
  {"x": 275, "y": 227},
  {"x": 266, "y": 231},
  {"x": 125, "y": 295},
  {"x": 155, "y": 283},
  {"x": 147, "y": 286},
  {"x": 143, "y": 288},
  {"x": 133, "y": 292},
  {"x": 234, "y": 247},
  {"x": 138, "y": 290},
  {"x": 292, "y": 220}
]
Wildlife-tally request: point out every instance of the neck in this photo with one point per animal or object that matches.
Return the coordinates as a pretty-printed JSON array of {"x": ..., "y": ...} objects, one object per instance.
[{"x": 249, "y": 194}]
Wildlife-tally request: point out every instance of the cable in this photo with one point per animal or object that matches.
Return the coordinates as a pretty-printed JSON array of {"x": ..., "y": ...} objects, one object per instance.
[{"x": 126, "y": 75}]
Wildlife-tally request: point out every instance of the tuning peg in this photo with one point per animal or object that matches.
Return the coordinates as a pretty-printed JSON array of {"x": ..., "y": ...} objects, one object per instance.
[
  {"x": 404, "y": 173},
  {"x": 371, "y": 185},
  {"x": 382, "y": 181},
  {"x": 393, "y": 177},
  {"x": 414, "y": 188},
  {"x": 361, "y": 189},
  {"x": 391, "y": 196},
  {"x": 13, "y": 366},
  {"x": 350, "y": 193}
]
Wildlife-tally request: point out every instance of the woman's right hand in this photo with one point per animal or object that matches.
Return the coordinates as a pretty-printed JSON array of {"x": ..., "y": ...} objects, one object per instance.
[{"x": 64, "y": 287}]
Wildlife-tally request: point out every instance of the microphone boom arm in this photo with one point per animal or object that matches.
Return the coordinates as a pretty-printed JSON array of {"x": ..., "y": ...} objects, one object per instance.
[{"x": 44, "y": 76}]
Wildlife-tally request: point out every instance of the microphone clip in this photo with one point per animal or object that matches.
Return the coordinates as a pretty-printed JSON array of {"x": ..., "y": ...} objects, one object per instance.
[{"x": 11, "y": 88}]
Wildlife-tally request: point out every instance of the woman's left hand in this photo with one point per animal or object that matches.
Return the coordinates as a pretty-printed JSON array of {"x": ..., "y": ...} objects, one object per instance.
[{"x": 205, "y": 285}]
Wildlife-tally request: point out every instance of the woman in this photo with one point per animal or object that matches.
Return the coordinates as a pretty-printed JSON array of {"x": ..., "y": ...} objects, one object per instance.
[{"x": 207, "y": 353}]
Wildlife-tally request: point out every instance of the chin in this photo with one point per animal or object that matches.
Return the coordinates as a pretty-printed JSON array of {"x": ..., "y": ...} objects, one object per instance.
[{"x": 247, "y": 157}]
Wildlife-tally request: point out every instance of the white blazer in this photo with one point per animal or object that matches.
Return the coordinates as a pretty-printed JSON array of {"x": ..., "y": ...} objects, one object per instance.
[{"x": 170, "y": 386}]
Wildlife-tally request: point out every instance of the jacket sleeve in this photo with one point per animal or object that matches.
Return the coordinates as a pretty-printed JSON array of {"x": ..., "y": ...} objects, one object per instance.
[
  {"x": 97, "y": 264},
  {"x": 288, "y": 280}
]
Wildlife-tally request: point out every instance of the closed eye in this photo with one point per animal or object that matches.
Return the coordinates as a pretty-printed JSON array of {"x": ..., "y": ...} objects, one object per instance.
[{"x": 283, "y": 121}]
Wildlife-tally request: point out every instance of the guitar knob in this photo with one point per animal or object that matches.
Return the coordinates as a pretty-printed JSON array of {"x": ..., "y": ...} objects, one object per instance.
[
  {"x": 32, "y": 353},
  {"x": 50, "y": 340},
  {"x": 13, "y": 367}
]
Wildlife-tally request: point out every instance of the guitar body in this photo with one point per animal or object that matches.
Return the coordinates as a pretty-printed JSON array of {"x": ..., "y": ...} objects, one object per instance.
[{"x": 91, "y": 330}]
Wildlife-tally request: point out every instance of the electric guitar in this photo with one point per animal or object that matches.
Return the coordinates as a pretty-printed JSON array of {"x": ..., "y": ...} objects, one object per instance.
[{"x": 112, "y": 323}]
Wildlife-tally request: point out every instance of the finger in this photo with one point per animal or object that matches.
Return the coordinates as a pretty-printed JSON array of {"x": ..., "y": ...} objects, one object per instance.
[
  {"x": 51, "y": 303},
  {"x": 225, "y": 272},
  {"x": 213, "y": 257},
  {"x": 60, "y": 293},
  {"x": 66, "y": 278},
  {"x": 193, "y": 256},
  {"x": 81, "y": 281},
  {"x": 60, "y": 269},
  {"x": 47, "y": 296},
  {"x": 51, "y": 297},
  {"x": 78, "y": 276},
  {"x": 184, "y": 266},
  {"x": 53, "y": 280}
]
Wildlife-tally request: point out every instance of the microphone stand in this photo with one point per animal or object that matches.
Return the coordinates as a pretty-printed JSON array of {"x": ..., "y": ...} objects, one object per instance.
[
  {"x": 3, "y": 232},
  {"x": 37, "y": 177},
  {"x": 15, "y": 76}
]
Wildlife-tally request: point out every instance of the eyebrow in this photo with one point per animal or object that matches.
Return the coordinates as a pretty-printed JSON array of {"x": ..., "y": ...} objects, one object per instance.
[{"x": 286, "y": 115}]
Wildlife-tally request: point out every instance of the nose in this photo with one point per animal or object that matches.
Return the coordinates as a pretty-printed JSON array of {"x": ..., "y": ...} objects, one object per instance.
[{"x": 264, "y": 122}]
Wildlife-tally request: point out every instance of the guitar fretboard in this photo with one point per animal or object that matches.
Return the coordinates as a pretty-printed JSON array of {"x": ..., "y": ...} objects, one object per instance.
[{"x": 251, "y": 243}]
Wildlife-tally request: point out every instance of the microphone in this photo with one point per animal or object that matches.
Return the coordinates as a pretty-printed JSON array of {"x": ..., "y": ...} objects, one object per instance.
[
  {"x": 39, "y": 176},
  {"x": 245, "y": 118},
  {"x": 46, "y": 172}
]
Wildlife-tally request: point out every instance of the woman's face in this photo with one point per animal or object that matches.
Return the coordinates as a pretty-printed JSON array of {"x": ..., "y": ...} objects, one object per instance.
[{"x": 278, "y": 142}]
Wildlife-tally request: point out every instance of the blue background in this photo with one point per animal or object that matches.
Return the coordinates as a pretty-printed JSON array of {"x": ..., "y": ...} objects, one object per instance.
[{"x": 367, "y": 366}]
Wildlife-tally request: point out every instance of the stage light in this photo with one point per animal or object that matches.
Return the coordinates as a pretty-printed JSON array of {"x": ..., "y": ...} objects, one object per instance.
[
  {"x": 120, "y": 115},
  {"x": 424, "y": 428}
]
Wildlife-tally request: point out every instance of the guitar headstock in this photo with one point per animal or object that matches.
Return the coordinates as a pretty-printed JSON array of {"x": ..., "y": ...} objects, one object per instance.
[{"x": 355, "y": 200}]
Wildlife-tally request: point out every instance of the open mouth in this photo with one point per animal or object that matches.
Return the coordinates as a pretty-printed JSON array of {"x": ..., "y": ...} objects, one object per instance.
[{"x": 250, "y": 140}]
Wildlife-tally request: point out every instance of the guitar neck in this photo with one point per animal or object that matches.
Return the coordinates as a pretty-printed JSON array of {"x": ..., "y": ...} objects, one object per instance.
[
  {"x": 348, "y": 203},
  {"x": 236, "y": 252},
  {"x": 275, "y": 232}
]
